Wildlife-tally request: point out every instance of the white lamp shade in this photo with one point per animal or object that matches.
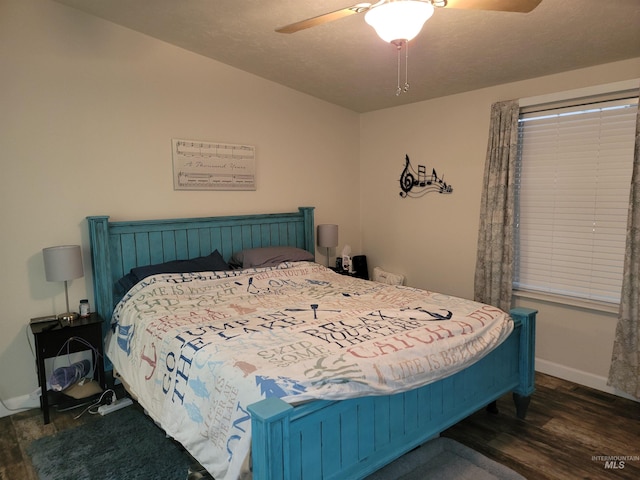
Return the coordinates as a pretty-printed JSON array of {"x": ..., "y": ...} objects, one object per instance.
[
  {"x": 62, "y": 263},
  {"x": 327, "y": 235},
  {"x": 399, "y": 20}
]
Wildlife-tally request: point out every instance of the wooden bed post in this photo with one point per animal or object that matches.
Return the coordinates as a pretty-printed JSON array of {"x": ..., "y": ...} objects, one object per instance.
[
  {"x": 522, "y": 394},
  {"x": 270, "y": 430},
  {"x": 102, "y": 287},
  {"x": 310, "y": 244}
]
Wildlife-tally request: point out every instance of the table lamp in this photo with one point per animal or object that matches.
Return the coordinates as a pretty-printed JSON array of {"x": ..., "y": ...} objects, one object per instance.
[
  {"x": 327, "y": 237},
  {"x": 61, "y": 264}
]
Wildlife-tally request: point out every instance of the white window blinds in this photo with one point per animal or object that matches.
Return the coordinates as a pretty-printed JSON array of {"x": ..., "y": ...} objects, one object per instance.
[{"x": 572, "y": 196}]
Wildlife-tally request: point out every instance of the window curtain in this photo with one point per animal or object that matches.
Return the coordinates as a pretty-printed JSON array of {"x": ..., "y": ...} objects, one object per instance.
[
  {"x": 624, "y": 373},
  {"x": 494, "y": 263}
]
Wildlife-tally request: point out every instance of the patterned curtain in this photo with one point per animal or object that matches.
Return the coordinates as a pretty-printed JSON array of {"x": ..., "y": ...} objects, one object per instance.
[
  {"x": 624, "y": 373},
  {"x": 494, "y": 263}
]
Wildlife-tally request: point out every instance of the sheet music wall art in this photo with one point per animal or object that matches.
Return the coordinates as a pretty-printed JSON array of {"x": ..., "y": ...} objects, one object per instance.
[
  {"x": 199, "y": 165},
  {"x": 416, "y": 184}
]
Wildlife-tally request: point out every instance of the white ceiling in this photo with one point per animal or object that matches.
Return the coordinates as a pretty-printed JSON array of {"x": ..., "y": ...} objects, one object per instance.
[{"x": 345, "y": 63}]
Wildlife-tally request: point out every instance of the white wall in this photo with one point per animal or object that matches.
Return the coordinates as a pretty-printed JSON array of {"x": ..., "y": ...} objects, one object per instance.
[
  {"x": 88, "y": 111},
  {"x": 432, "y": 240}
]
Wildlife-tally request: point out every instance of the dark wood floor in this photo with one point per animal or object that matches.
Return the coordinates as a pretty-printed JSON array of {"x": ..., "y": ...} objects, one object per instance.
[{"x": 566, "y": 427}]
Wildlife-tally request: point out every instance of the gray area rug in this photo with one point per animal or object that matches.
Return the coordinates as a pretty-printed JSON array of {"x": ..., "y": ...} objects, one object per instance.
[
  {"x": 124, "y": 445},
  {"x": 445, "y": 459}
]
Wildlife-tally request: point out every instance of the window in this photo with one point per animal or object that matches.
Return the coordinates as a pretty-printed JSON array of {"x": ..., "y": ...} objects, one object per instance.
[{"x": 572, "y": 194}]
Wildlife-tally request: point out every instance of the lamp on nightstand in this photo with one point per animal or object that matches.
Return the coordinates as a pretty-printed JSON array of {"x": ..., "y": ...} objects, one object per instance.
[
  {"x": 327, "y": 237},
  {"x": 61, "y": 264}
]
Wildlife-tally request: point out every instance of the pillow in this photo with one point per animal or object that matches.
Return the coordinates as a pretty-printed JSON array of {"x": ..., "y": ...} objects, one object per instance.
[
  {"x": 213, "y": 262},
  {"x": 126, "y": 283},
  {"x": 269, "y": 257},
  {"x": 379, "y": 275}
]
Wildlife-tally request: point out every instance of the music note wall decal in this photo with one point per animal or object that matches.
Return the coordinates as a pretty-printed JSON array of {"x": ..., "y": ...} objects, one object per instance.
[{"x": 414, "y": 184}]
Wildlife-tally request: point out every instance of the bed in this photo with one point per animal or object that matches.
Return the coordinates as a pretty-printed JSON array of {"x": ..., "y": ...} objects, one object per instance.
[{"x": 292, "y": 434}]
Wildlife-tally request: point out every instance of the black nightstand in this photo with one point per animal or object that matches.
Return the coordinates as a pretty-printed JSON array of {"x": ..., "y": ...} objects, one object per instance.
[
  {"x": 50, "y": 337},
  {"x": 358, "y": 264},
  {"x": 364, "y": 274},
  {"x": 342, "y": 271}
]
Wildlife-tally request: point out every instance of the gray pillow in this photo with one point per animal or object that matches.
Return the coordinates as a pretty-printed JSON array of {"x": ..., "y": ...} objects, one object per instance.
[{"x": 269, "y": 257}]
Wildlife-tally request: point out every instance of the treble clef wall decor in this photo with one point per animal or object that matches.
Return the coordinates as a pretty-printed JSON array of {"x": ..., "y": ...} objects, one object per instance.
[{"x": 416, "y": 184}]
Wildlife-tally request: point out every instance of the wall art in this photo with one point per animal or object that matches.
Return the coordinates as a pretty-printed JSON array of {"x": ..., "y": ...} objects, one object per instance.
[
  {"x": 201, "y": 165},
  {"x": 416, "y": 184}
]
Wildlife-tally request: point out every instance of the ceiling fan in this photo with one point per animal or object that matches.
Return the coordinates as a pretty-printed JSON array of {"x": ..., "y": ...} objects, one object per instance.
[
  {"x": 519, "y": 6},
  {"x": 399, "y": 21}
]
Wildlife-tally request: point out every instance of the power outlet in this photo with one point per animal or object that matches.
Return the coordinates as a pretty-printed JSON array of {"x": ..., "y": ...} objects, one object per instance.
[{"x": 117, "y": 405}]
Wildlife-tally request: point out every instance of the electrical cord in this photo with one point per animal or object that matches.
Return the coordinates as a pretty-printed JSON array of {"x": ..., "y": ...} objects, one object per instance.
[
  {"x": 82, "y": 341},
  {"x": 4, "y": 405},
  {"x": 26, "y": 331},
  {"x": 93, "y": 408}
]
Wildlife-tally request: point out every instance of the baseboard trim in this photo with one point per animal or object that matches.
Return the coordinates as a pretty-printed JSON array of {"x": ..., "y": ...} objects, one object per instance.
[
  {"x": 580, "y": 377},
  {"x": 18, "y": 404}
]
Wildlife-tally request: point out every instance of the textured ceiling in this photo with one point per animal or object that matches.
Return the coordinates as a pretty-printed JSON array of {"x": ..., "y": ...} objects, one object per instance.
[{"x": 345, "y": 63}]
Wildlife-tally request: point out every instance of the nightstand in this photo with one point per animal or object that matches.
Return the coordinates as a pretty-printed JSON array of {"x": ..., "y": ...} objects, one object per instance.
[
  {"x": 342, "y": 271},
  {"x": 50, "y": 338}
]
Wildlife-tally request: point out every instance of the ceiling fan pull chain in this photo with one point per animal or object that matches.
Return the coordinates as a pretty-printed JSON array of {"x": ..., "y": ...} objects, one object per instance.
[
  {"x": 398, "y": 90},
  {"x": 406, "y": 65},
  {"x": 399, "y": 44}
]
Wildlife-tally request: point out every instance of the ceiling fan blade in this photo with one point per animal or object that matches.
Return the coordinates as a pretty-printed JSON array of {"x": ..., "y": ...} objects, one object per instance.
[
  {"x": 325, "y": 18},
  {"x": 521, "y": 6}
]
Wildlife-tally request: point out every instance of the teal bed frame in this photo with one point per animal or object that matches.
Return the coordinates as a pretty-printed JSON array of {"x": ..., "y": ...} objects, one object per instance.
[{"x": 346, "y": 439}]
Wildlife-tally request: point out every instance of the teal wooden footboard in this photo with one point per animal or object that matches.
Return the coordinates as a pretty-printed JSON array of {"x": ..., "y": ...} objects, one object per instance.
[{"x": 351, "y": 439}]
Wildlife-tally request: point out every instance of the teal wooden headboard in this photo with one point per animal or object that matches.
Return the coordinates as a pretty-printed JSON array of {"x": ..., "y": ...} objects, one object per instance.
[{"x": 117, "y": 247}]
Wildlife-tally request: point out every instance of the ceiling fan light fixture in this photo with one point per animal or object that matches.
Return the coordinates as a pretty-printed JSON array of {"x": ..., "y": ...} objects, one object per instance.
[{"x": 399, "y": 19}]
